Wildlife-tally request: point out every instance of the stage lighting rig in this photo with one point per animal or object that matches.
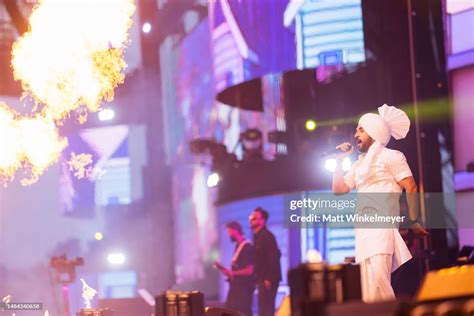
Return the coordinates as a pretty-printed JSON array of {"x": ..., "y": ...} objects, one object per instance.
[
  {"x": 65, "y": 268},
  {"x": 252, "y": 144},
  {"x": 221, "y": 159}
]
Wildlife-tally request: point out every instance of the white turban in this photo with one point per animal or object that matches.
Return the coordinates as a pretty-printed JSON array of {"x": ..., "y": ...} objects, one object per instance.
[{"x": 389, "y": 122}]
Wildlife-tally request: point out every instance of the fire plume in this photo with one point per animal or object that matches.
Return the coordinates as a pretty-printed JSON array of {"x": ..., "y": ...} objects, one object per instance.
[
  {"x": 70, "y": 60},
  {"x": 73, "y": 54},
  {"x": 28, "y": 143}
]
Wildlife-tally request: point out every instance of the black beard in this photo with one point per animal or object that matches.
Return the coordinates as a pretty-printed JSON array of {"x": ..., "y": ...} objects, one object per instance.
[
  {"x": 363, "y": 149},
  {"x": 365, "y": 146},
  {"x": 232, "y": 239}
]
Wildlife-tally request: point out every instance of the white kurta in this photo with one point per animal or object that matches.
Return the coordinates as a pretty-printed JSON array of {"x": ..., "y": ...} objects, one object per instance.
[{"x": 388, "y": 167}]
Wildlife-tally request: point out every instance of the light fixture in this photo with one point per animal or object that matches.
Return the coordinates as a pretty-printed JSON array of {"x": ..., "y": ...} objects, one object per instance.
[
  {"x": 331, "y": 163},
  {"x": 98, "y": 236},
  {"x": 213, "y": 180},
  {"x": 146, "y": 28},
  {"x": 252, "y": 144},
  {"x": 116, "y": 258},
  {"x": 310, "y": 125},
  {"x": 106, "y": 114},
  {"x": 346, "y": 164}
]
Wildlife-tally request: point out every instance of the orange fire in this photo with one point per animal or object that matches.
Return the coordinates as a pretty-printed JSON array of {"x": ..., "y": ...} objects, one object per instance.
[
  {"x": 28, "y": 143},
  {"x": 72, "y": 59},
  {"x": 80, "y": 165},
  {"x": 73, "y": 55}
]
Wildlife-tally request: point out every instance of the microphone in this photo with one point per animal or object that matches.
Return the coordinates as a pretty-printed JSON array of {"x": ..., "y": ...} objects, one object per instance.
[{"x": 333, "y": 152}]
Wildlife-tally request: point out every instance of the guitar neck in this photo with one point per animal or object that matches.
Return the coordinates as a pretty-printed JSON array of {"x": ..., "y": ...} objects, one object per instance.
[{"x": 219, "y": 266}]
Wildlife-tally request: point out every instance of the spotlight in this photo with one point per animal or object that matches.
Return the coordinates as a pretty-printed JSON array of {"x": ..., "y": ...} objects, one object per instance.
[
  {"x": 330, "y": 164},
  {"x": 213, "y": 179},
  {"x": 310, "y": 125},
  {"x": 98, "y": 236},
  {"x": 106, "y": 114},
  {"x": 346, "y": 164},
  {"x": 116, "y": 258},
  {"x": 146, "y": 28}
]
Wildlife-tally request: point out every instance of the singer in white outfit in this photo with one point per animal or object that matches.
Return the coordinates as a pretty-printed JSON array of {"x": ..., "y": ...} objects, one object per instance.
[{"x": 379, "y": 251}]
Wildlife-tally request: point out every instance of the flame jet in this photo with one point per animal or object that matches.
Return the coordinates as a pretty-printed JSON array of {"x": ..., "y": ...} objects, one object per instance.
[
  {"x": 70, "y": 59},
  {"x": 72, "y": 55}
]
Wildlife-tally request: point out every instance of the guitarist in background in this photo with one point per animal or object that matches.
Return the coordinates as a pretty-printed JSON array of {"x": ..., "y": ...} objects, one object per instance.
[{"x": 241, "y": 276}]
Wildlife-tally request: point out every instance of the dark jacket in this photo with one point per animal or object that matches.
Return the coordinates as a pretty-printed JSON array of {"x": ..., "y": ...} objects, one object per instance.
[{"x": 267, "y": 257}]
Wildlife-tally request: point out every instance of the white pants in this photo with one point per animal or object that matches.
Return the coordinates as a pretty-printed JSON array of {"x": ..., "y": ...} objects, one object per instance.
[{"x": 375, "y": 275}]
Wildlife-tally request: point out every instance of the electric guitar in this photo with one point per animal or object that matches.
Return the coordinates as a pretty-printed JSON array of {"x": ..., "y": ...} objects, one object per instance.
[{"x": 223, "y": 269}]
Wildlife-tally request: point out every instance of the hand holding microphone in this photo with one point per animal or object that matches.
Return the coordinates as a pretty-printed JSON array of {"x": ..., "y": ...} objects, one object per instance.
[{"x": 341, "y": 151}]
